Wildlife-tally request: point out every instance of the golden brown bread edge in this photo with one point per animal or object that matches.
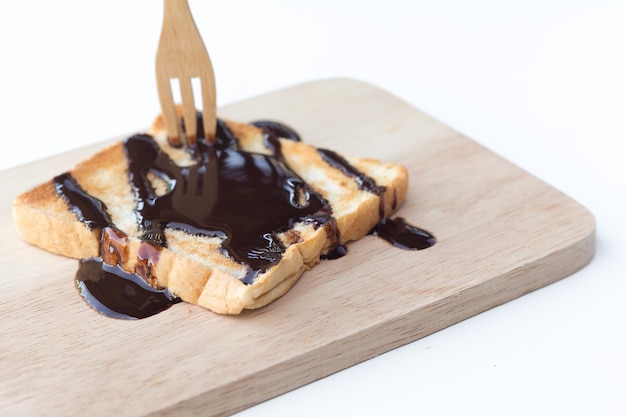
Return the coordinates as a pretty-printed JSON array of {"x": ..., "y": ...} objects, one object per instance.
[{"x": 192, "y": 267}]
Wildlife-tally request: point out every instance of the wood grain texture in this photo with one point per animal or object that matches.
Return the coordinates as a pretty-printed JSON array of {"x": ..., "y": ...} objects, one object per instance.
[{"x": 501, "y": 234}]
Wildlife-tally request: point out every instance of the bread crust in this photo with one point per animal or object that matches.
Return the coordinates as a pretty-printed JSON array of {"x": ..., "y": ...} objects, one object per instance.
[{"x": 192, "y": 267}]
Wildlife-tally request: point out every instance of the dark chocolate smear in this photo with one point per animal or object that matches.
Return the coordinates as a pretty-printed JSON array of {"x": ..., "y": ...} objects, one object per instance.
[
  {"x": 277, "y": 130},
  {"x": 364, "y": 182},
  {"x": 87, "y": 208},
  {"x": 118, "y": 294},
  {"x": 403, "y": 235}
]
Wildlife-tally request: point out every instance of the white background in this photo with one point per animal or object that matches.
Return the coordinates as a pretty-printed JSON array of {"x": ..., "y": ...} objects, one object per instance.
[{"x": 542, "y": 83}]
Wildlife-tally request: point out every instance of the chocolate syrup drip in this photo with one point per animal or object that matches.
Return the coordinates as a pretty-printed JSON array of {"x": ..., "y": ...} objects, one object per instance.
[
  {"x": 272, "y": 132},
  {"x": 105, "y": 286},
  {"x": 224, "y": 137},
  {"x": 88, "y": 209},
  {"x": 115, "y": 293},
  {"x": 277, "y": 130},
  {"x": 244, "y": 198},
  {"x": 403, "y": 235},
  {"x": 364, "y": 182}
]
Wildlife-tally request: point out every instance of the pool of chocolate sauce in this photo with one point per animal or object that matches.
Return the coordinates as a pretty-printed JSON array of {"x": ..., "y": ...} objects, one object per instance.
[
  {"x": 403, "y": 235},
  {"x": 244, "y": 198},
  {"x": 119, "y": 294}
]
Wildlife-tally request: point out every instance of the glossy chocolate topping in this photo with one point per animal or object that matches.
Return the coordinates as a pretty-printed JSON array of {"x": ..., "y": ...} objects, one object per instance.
[
  {"x": 277, "y": 130},
  {"x": 403, "y": 235},
  {"x": 364, "y": 182},
  {"x": 244, "y": 198},
  {"x": 118, "y": 294},
  {"x": 88, "y": 209}
]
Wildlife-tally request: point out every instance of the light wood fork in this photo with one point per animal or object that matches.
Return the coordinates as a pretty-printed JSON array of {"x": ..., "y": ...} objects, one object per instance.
[{"x": 181, "y": 55}]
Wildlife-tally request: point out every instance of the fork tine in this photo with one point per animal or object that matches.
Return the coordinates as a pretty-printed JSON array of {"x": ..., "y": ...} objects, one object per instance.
[
  {"x": 168, "y": 109},
  {"x": 182, "y": 54},
  {"x": 189, "y": 111}
]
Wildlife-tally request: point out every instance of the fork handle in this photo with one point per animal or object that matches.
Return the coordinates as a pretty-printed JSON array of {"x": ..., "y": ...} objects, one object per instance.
[{"x": 176, "y": 11}]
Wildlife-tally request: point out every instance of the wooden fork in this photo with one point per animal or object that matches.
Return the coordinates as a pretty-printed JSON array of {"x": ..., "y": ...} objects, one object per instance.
[{"x": 182, "y": 55}]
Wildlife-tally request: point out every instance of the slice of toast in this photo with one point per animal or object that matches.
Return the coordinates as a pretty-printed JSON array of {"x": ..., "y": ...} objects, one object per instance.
[{"x": 157, "y": 208}]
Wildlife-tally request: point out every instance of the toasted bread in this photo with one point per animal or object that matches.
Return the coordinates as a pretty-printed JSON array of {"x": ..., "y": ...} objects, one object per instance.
[{"x": 200, "y": 267}]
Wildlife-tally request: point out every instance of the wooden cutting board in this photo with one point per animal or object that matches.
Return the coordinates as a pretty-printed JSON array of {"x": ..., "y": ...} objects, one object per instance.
[{"x": 501, "y": 234}]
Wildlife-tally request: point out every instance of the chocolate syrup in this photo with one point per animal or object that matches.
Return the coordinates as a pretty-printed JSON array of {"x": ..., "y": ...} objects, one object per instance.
[
  {"x": 403, "y": 235},
  {"x": 364, "y": 182},
  {"x": 277, "y": 130},
  {"x": 118, "y": 294},
  {"x": 246, "y": 199},
  {"x": 88, "y": 209},
  {"x": 395, "y": 231},
  {"x": 103, "y": 284}
]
